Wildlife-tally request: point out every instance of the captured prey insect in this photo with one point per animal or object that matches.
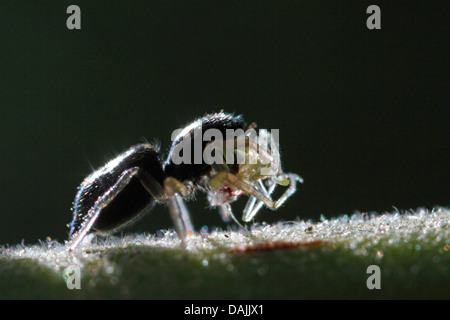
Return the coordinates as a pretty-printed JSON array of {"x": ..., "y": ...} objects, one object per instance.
[{"x": 127, "y": 187}]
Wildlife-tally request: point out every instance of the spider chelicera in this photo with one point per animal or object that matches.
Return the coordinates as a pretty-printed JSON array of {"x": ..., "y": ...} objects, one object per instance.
[{"x": 127, "y": 187}]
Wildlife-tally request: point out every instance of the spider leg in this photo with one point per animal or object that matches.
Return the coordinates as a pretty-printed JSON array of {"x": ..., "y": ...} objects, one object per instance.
[
  {"x": 225, "y": 211},
  {"x": 101, "y": 203},
  {"x": 232, "y": 181},
  {"x": 293, "y": 179},
  {"x": 249, "y": 207},
  {"x": 229, "y": 179},
  {"x": 152, "y": 186},
  {"x": 252, "y": 207},
  {"x": 176, "y": 191}
]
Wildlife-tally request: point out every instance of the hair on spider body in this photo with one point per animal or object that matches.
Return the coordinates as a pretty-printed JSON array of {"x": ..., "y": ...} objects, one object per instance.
[{"x": 124, "y": 189}]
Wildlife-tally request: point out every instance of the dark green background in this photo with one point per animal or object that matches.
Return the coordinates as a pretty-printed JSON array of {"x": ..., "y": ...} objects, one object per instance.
[{"x": 363, "y": 115}]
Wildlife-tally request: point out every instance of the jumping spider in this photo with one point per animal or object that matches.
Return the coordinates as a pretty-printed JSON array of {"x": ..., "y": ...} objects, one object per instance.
[{"x": 127, "y": 187}]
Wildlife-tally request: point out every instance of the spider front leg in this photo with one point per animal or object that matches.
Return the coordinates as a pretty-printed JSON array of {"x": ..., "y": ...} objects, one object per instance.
[
  {"x": 284, "y": 179},
  {"x": 253, "y": 205},
  {"x": 226, "y": 213},
  {"x": 228, "y": 179},
  {"x": 260, "y": 192},
  {"x": 292, "y": 180}
]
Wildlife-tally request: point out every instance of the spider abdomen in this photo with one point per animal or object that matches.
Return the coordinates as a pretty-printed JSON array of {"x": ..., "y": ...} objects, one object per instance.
[{"x": 124, "y": 206}]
